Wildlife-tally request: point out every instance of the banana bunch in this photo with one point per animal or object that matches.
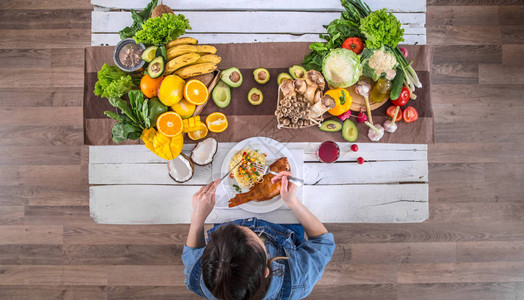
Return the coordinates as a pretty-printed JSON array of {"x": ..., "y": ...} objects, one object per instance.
[{"x": 187, "y": 59}]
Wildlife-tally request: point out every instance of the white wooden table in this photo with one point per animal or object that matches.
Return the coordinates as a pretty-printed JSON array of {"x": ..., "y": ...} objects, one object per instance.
[{"x": 130, "y": 185}]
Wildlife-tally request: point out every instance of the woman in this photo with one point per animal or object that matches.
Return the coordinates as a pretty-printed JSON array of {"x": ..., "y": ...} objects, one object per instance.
[{"x": 255, "y": 259}]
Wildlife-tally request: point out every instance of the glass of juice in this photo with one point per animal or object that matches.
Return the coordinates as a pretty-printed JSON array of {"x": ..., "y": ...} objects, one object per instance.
[{"x": 328, "y": 152}]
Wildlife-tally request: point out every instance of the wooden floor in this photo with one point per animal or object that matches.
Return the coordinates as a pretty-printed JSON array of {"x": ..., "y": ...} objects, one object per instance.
[{"x": 472, "y": 247}]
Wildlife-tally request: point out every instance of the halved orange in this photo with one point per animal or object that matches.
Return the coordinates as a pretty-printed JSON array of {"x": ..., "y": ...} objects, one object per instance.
[
  {"x": 169, "y": 124},
  {"x": 195, "y": 92},
  {"x": 199, "y": 134},
  {"x": 216, "y": 122}
]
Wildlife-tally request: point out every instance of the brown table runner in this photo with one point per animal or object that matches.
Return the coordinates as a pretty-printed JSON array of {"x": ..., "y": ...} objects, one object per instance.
[{"x": 246, "y": 120}]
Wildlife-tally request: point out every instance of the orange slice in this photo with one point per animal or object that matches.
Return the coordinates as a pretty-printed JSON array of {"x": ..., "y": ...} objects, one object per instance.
[
  {"x": 199, "y": 134},
  {"x": 169, "y": 124},
  {"x": 216, "y": 122},
  {"x": 195, "y": 92}
]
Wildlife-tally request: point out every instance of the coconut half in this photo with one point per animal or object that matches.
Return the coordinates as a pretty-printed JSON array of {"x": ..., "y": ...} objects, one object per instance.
[
  {"x": 204, "y": 152},
  {"x": 181, "y": 168}
]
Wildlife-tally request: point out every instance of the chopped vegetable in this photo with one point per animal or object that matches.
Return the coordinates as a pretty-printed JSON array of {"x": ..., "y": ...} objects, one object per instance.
[
  {"x": 381, "y": 28},
  {"x": 160, "y": 30},
  {"x": 341, "y": 68},
  {"x": 354, "y": 44},
  {"x": 113, "y": 82},
  {"x": 391, "y": 112},
  {"x": 237, "y": 188},
  {"x": 410, "y": 114},
  {"x": 403, "y": 98}
]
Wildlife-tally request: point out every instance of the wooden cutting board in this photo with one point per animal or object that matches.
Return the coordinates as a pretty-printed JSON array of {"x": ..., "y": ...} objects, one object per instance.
[{"x": 358, "y": 100}]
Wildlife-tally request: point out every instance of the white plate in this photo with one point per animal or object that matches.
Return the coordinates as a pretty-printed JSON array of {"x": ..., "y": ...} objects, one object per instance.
[{"x": 274, "y": 151}]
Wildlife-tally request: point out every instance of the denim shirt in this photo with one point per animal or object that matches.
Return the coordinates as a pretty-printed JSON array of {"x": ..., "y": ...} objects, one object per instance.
[{"x": 291, "y": 279}]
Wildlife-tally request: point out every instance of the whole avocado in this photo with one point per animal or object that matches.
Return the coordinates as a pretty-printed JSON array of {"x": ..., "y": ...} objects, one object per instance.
[{"x": 156, "y": 108}]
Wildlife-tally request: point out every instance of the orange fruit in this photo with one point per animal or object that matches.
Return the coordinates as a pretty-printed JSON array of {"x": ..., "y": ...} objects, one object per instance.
[
  {"x": 216, "y": 122},
  {"x": 149, "y": 86},
  {"x": 199, "y": 134},
  {"x": 195, "y": 92},
  {"x": 171, "y": 90},
  {"x": 184, "y": 108},
  {"x": 169, "y": 124}
]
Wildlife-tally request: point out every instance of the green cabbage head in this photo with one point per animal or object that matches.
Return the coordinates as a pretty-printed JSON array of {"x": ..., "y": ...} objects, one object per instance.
[{"x": 341, "y": 68}]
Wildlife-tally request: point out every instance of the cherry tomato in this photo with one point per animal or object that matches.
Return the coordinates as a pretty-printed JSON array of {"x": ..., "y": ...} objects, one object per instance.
[
  {"x": 354, "y": 44},
  {"x": 403, "y": 98},
  {"x": 410, "y": 114},
  {"x": 391, "y": 112}
]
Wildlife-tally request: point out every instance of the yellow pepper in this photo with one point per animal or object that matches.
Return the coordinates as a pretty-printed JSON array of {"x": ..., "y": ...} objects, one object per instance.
[{"x": 343, "y": 101}]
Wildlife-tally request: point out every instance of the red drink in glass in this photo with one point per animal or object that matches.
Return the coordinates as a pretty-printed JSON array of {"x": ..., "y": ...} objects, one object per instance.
[{"x": 328, "y": 152}]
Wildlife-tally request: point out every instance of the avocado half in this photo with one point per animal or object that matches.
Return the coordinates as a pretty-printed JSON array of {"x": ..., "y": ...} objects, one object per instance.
[
  {"x": 156, "y": 67},
  {"x": 283, "y": 76},
  {"x": 221, "y": 94},
  {"x": 255, "y": 96},
  {"x": 232, "y": 77},
  {"x": 297, "y": 72},
  {"x": 261, "y": 75},
  {"x": 149, "y": 54},
  {"x": 349, "y": 131},
  {"x": 331, "y": 126}
]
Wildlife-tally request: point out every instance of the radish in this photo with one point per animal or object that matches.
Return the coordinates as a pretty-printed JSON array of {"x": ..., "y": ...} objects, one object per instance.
[
  {"x": 404, "y": 51},
  {"x": 345, "y": 115},
  {"x": 360, "y": 160},
  {"x": 361, "y": 118},
  {"x": 354, "y": 147}
]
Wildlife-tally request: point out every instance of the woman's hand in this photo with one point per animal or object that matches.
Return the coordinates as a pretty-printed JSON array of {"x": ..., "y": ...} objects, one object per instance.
[
  {"x": 204, "y": 201},
  {"x": 288, "y": 191}
]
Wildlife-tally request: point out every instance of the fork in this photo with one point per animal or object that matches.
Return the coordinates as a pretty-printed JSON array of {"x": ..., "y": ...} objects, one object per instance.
[{"x": 264, "y": 169}]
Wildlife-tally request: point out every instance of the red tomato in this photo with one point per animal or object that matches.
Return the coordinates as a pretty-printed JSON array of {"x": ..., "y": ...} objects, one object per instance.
[
  {"x": 354, "y": 44},
  {"x": 403, "y": 98},
  {"x": 391, "y": 112},
  {"x": 410, "y": 114}
]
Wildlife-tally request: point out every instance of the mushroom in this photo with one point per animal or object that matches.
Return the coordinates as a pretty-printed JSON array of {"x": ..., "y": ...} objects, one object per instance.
[
  {"x": 315, "y": 78},
  {"x": 376, "y": 132},
  {"x": 300, "y": 86},
  {"x": 314, "y": 81},
  {"x": 318, "y": 97},
  {"x": 288, "y": 89},
  {"x": 326, "y": 103},
  {"x": 362, "y": 88}
]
